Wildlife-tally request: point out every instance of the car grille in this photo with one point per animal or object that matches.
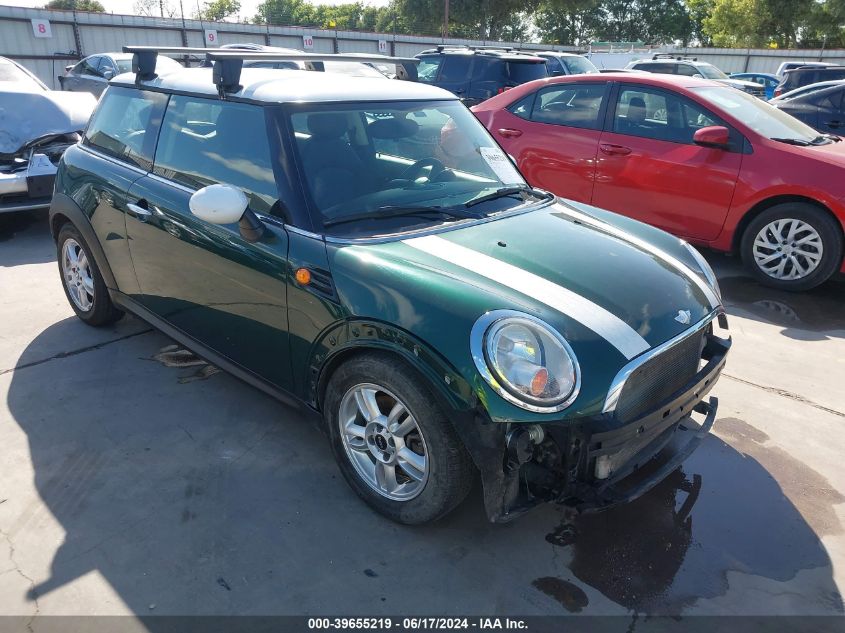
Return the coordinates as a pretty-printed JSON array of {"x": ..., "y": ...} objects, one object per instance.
[{"x": 660, "y": 377}]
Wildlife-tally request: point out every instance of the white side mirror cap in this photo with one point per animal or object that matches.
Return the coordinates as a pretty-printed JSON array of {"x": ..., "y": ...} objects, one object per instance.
[{"x": 219, "y": 204}]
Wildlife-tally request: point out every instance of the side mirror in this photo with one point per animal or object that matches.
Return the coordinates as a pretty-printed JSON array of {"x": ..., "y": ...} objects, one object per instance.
[
  {"x": 225, "y": 204},
  {"x": 698, "y": 76},
  {"x": 712, "y": 136},
  {"x": 68, "y": 68},
  {"x": 108, "y": 74}
]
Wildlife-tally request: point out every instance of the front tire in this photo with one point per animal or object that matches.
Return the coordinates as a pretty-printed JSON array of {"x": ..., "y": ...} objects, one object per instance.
[
  {"x": 392, "y": 442},
  {"x": 792, "y": 246},
  {"x": 82, "y": 281}
]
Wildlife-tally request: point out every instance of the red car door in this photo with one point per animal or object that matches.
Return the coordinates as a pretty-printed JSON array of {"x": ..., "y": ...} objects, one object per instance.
[
  {"x": 648, "y": 167},
  {"x": 553, "y": 134}
]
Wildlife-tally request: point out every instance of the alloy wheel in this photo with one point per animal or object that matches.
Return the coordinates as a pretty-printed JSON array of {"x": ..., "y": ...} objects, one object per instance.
[
  {"x": 76, "y": 273},
  {"x": 383, "y": 441},
  {"x": 788, "y": 249}
]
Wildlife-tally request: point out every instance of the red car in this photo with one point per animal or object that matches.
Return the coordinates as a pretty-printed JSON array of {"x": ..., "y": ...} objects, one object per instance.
[{"x": 705, "y": 161}]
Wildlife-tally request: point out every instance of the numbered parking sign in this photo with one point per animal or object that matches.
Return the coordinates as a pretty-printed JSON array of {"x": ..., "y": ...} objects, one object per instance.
[
  {"x": 210, "y": 37},
  {"x": 308, "y": 42},
  {"x": 382, "y": 46},
  {"x": 41, "y": 28}
]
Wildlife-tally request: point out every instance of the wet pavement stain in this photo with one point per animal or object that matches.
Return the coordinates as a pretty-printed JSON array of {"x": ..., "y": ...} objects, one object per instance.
[
  {"x": 176, "y": 356},
  {"x": 566, "y": 593},
  {"x": 13, "y": 223},
  {"x": 722, "y": 512}
]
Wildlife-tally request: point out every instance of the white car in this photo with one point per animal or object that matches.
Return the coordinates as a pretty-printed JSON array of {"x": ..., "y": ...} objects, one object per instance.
[
  {"x": 793, "y": 65},
  {"x": 36, "y": 126}
]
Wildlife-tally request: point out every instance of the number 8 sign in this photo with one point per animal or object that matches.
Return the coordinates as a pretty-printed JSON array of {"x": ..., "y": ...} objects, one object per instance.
[{"x": 41, "y": 28}]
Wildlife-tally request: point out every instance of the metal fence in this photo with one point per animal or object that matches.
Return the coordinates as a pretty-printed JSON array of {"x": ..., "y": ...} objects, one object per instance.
[{"x": 73, "y": 35}]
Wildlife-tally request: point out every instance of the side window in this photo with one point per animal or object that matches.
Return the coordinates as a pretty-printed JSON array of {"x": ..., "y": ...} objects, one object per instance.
[
  {"x": 687, "y": 70},
  {"x": 428, "y": 67},
  {"x": 573, "y": 105},
  {"x": 455, "y": 67},
  {"x": 126, "y": 123},
  {"x": 90, "y": 66},
  {"x": 554, "y": 66},
  {"x": 659, "y": 115},
  {"x": 522, "y": 108},
  {"x": 205, "y": 141},
  {"x": 832, "y": 100}
]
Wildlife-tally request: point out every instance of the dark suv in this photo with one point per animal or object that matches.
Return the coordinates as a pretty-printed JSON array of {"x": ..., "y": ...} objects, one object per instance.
[
  {"x": 807, "y": 75},
  {"x": 476, "y": 74},
  {"x": 690, "y": 66}
]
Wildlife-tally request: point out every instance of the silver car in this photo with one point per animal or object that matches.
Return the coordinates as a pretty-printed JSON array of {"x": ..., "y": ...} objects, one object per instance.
[{"x": 93, "y": 73}]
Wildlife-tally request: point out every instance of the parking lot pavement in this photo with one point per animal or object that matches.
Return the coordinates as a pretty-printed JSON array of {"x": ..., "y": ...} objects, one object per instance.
[{"x": 128, "y": 486}]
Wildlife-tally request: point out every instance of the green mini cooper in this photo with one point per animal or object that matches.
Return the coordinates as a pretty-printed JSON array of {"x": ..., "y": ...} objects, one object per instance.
[{"x": 362, "y": 248}]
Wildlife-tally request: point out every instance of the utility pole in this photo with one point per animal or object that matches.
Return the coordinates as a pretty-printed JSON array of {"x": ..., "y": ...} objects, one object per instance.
[{"x": 445, "y": 20}]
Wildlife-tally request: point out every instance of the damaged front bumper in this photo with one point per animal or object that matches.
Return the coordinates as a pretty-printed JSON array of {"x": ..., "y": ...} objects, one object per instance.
[
  {"x": 27, "y": 177},
  {"x": 594, "y": 463}
]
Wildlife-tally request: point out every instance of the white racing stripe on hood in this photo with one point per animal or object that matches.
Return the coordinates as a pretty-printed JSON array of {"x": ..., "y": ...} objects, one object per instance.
[
  {"x": 676, "y": 263},
  {"x": 607, "y": 325}
]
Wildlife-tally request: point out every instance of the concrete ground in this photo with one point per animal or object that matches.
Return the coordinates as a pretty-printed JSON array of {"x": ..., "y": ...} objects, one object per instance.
[{"x": 128, "y": 486}]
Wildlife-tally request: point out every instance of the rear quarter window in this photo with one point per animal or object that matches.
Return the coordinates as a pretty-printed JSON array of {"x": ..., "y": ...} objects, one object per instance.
[
  {"x": 520, "y": 72},
  {"x": 125, "y": 125}
]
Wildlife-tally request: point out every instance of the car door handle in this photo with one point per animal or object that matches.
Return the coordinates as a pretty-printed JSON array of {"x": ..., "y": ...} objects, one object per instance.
[
  {"x": 138, "y": 210},
  {"x": 614, "y": 150},
  {"x": 509, "y": 132}
]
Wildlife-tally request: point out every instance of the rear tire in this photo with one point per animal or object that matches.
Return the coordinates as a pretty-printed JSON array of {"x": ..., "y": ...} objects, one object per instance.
[
  {"x": 792, "y": 246},
  {"x": 82, "y": 281},
  {"x": 378, "y": 410}
]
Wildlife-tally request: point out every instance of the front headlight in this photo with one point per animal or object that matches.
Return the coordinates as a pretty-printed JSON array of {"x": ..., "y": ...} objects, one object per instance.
[
  {"x": 525, "y": 360},
  {"x": 706, "y": 269}
]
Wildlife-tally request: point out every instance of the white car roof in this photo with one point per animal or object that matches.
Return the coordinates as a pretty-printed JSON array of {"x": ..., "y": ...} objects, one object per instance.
[{"x": 284, "y": 86}]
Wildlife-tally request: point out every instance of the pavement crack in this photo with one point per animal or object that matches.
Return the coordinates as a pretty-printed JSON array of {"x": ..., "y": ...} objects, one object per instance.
[
  {"x": 16, "y": 568},
  {"x": 786, "y": 394},
  {"x": 75, "y": 352}
]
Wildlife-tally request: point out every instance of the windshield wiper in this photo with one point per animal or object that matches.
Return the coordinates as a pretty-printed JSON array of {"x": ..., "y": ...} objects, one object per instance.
[
  {"x": 793, "y": 141},
  {"x": 823, "y": 139},
  {"x": 504, "y": 192},
  {"x": 396, "y": 211}
]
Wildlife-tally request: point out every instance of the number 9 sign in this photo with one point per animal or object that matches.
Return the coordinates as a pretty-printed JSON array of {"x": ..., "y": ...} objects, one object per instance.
[{"x": 210, "y": 37}]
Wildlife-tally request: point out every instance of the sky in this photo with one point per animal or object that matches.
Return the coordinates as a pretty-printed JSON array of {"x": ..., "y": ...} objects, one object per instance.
[{"x": 248, "y": 7}]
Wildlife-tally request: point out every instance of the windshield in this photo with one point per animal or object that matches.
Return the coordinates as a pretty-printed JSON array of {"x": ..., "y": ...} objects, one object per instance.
[
  {"x": 11, "y": 72},
  {"x": 369, "y": 158},
  {"x": 710, "y": 72},
  {"x": 764, "y": 119},
  {"x": 578, "y": 65}
]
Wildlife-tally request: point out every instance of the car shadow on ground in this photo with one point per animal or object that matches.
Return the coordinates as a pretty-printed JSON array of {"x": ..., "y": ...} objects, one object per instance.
[
  {"x": 206, "y": 497},
  {"x": 817, "y": 314},
  {"x": 22, "y": 238}
]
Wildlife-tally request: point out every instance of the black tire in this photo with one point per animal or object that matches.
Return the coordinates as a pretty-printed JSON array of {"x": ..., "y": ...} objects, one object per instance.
[
  {"x": 451, "y": 471},
  {"x": 826, "y": 227},
  {"x": 102, "y": 311}
]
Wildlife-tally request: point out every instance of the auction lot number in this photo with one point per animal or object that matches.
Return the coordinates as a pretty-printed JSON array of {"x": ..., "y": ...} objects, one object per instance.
[{"x": 415, "y": 624}]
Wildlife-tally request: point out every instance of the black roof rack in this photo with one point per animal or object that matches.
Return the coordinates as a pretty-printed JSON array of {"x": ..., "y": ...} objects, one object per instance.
[
  {"x": 228, "y": 62},
  {"x": 671, "y": 56}
]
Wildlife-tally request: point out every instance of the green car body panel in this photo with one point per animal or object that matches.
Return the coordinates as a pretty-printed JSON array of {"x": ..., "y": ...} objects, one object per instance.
[{"x": 238, "y": 303}]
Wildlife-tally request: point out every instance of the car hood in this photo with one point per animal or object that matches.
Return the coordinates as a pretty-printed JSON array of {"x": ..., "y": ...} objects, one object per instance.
[
  {"x": 27, "y": 115},
  {"x": 613, "y": 288}
]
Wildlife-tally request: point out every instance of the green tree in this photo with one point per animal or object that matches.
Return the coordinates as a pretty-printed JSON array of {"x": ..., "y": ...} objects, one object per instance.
[
  {"x": 217, "y": 10},
  {"x": 79, "y": 5}
]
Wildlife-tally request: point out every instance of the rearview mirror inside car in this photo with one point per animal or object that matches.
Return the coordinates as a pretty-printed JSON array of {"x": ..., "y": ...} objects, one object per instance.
[{"x": 712, "y": 136}]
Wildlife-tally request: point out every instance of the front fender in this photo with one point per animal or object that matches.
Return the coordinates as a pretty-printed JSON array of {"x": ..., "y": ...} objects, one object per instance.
[
  {"x": 64, "y": 208},
  {"x": 342, "y": 339}
]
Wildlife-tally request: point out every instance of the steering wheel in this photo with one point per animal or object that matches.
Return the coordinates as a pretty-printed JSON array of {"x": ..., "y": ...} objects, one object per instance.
[{"x": 415, "y": 171}]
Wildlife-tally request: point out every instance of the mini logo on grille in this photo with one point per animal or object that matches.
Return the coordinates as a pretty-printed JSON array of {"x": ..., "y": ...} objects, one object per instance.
[{"x": 684, "y": 316}]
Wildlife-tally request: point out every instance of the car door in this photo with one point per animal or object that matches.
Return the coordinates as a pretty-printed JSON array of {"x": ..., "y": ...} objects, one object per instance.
[
  {"x": 831, "y": 114},
  {"x": 455, "y": 72},
  {"x": 91, "y": 79},
  {"x": 648, "y": 167},
  {"x": 553, "y": 134},
  {"x": 204, "y": 279}
]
